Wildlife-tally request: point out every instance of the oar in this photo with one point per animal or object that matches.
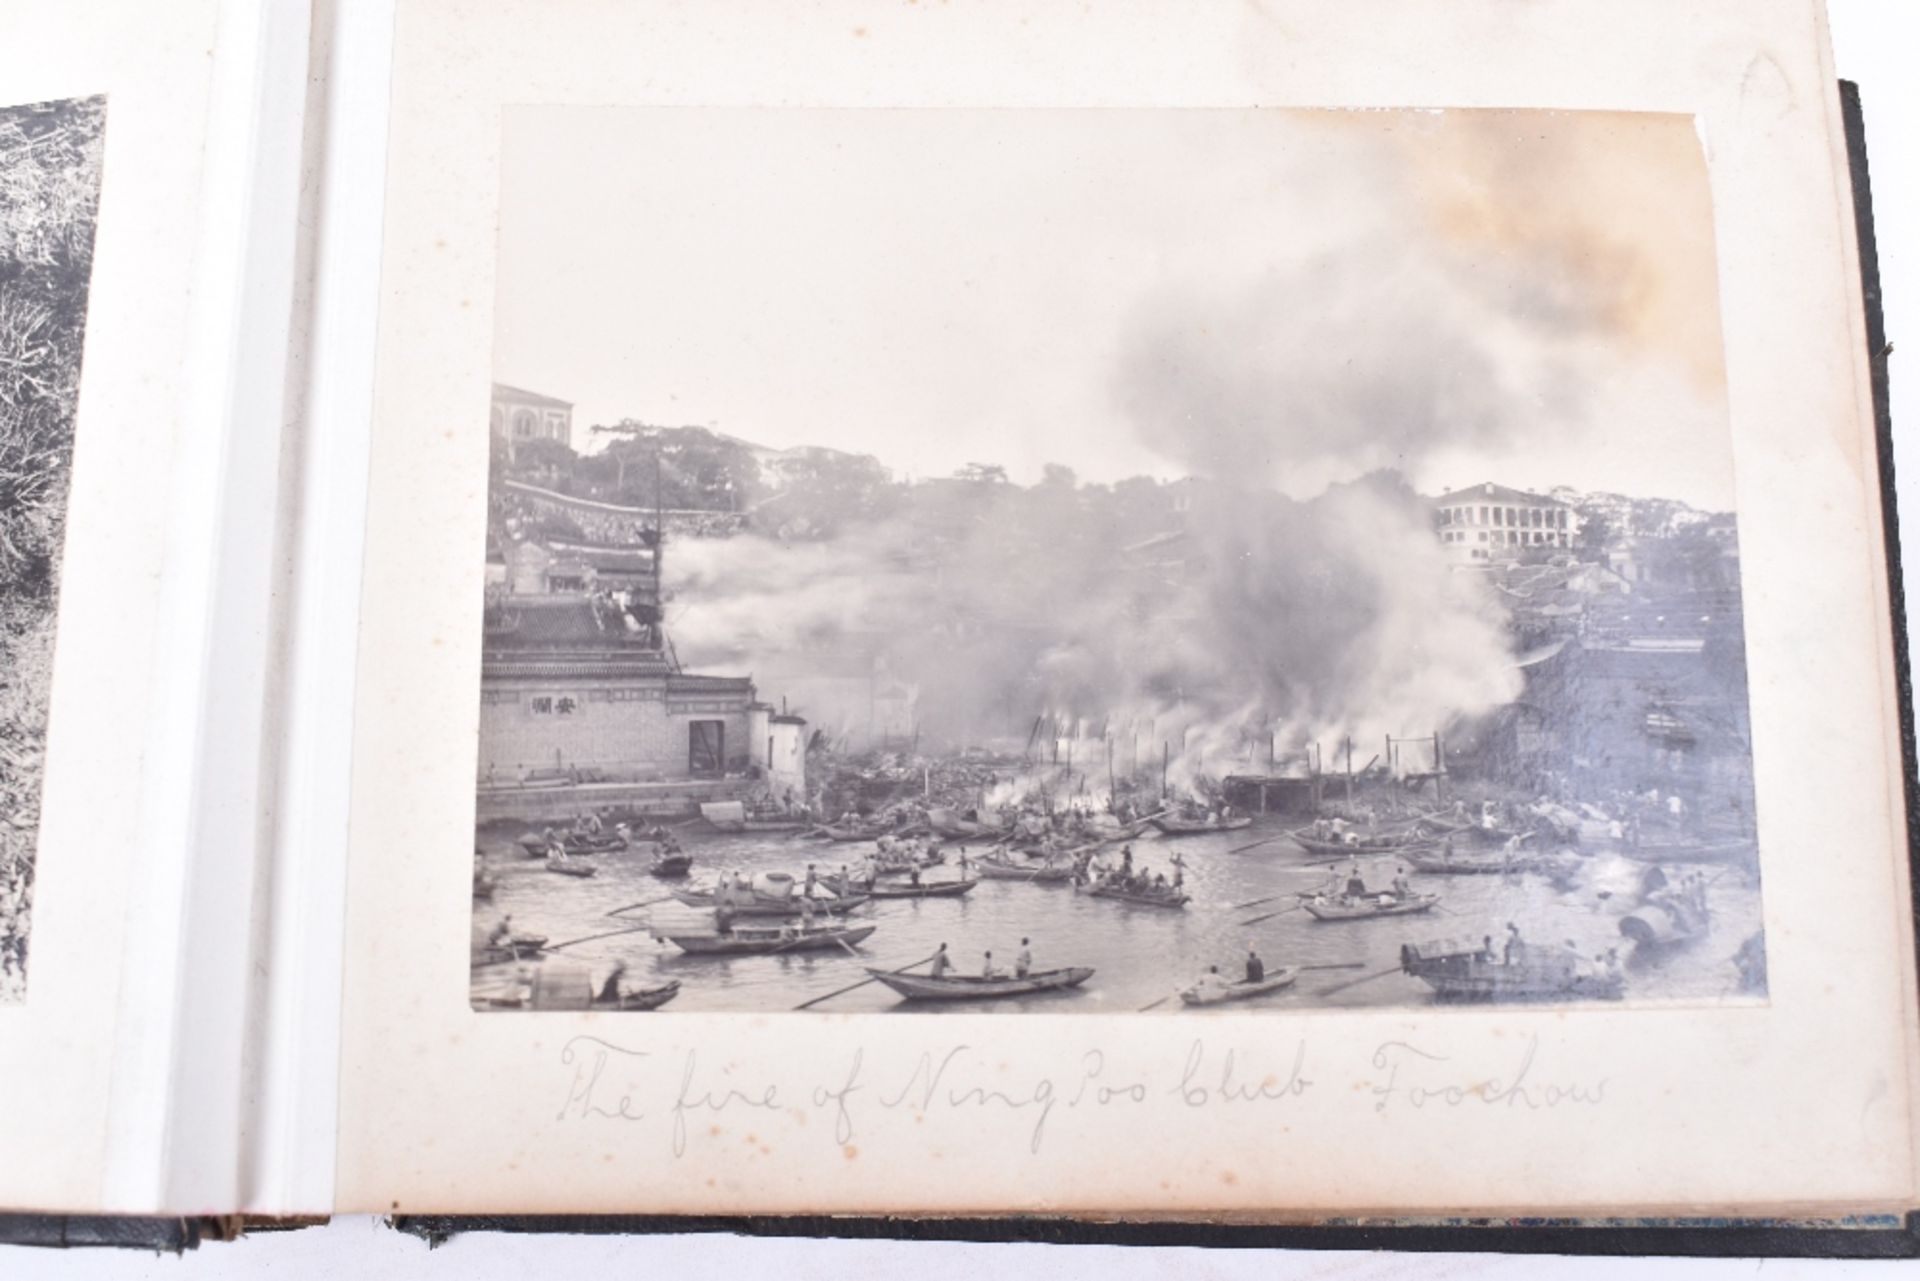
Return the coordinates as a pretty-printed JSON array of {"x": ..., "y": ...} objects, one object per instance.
[
  {"x": 1332, "y": 965},
  {"x": 1257, "y": 844},
  {"x": 1157, "y": 1004},
  {"x": 650, "y": 902},
  {"x": 1270, "y": 915},
  {"x": 1241, "y": 907},
  {"x": 1368, "y": 978},
  {"x": 631, "y": 929},
  {"x": 871, "y": 978}
]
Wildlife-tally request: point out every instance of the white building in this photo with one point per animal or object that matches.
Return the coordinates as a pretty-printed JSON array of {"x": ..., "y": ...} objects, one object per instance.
[
  {"x": 1489, "y": 522},
  {"x": 520, "y": 416}
]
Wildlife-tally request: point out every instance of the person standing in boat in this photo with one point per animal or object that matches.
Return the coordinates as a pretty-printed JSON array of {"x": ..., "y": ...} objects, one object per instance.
[
  {"x": 807, "y": 890},
  {"x": 1402, "y": 889},
  {"x": 1126, "y": 860},
  {"x": 940, "y": 964},
  {"x": 1514, "y": 945},
  {"x": 502, "y": 933},
  {"x": 1356, "y": 884},
  {"x": 1023, "y": 963},
  {"x": 1256, "y": 968}
]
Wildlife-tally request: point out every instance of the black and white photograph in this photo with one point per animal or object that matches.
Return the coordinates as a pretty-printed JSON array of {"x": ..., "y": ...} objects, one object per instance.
[
  {"x": 49, "y": 197},
  {"x": 1081, "y": 561}
]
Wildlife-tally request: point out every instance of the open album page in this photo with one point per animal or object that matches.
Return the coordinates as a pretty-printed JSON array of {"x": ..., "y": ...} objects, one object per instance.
[
  {"x": 1270, "y": 612},
  {"x": 104, "y": 165}
]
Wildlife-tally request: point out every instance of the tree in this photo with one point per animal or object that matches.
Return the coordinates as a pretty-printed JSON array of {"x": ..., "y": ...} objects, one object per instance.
[
  {"x": 1058, "y": 476},
  {"x": 1596, "y": 533},
  {"x": 550, "y": 460}
]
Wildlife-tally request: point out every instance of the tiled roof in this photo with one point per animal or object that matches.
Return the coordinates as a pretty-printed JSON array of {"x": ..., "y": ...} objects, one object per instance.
[
  {"x": 1488, "y": 492},
  {"x": 530, "y": 397}
]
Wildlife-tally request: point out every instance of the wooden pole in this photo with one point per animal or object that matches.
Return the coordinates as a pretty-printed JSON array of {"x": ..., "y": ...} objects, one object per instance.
[
  {"x": 1439, "y": 771},
  {"x": 1393, "y": 795},
  {"x": 1166, "y": 755},
  {"x": 1349, "y": 776}
]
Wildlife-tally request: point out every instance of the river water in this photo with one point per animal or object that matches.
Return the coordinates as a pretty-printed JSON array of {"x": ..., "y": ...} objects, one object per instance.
[{"x": 1140, "y": 955}]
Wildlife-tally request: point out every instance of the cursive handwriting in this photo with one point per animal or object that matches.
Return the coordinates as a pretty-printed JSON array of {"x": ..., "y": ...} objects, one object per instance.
[
  {"x": 611, "y": 1082},
  {"x": 705, "y": 1100},
  {"x": 1398, "y": 1058},
  {"x": 922, "y": 1093},
  {"x": 588, "y": 1056},
  {"x": 1232, "y": 1089}
]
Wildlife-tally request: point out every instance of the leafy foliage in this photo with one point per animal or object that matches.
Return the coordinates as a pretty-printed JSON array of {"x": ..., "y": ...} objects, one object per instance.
[{"x": 49, "y": 196}]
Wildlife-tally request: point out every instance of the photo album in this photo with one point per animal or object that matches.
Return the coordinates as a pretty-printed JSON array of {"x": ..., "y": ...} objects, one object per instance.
[{"x": 1265, "y": 616}]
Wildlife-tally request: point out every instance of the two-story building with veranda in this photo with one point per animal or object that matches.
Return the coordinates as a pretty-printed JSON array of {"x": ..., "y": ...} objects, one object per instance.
[
  {"x": 519, "y": 416},
  {"x": 1489, "y": 522}
]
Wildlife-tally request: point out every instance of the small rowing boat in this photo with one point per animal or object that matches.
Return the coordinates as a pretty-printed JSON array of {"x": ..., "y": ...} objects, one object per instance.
[
  {"x": 519, "y": 947},
  {"x": 1140, "y": 898},
  {"x": 573, "y": 843},
  {"x": 1395, "y": 845},
  {"x": 764, "y": 940},
  {"x": 1470, "y": 970},
  {"x": 842, "y": 835},
  {"x": 671, "y": 866},
  {"x": 1172, "y": 826},
  {"x": 768, "y": 894},
  {"x": 926, "y": 889},
  {"x": 951, "y": 824},
  {"x": 651, "y": 998},
  {"x": 961, "y": 987},
  {"x": 1343, "y": 908},
  {"x": 1206, "y": 994},
  {"x": 1469, "y": 864},
  {"x": 994, "y": 869},
  {"x": 571, "y": 868}
]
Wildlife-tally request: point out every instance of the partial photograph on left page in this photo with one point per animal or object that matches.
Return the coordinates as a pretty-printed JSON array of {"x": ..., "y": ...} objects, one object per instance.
[{"x": 49, "y": 200}]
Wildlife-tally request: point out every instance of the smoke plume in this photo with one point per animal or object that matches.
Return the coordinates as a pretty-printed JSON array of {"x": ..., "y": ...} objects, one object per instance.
[{"x": 1204, "y": 625}]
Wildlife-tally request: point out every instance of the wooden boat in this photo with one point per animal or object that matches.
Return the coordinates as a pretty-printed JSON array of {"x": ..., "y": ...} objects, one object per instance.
[
  {"x": 1172, "y": 826},
  {"x": 1376, "y": 844},
  {"x": 669, "y": 866},
  {"x": 571, "y": 867},
  {"x": 1664, "y": 921},
  {"x": 961, "y": 987},
  {"x": 1469, "y": 970},
  {"x": 573, "y": 843},
  {"x": 651, "y": 998},
  {"x": 762, "y": 940},
  {"x": 949, "y": 823},
  {"x": 520, "y": 947},
  {"x": 842, "y": 835},
  {"x": 1140, "y": 898},
  {"x": 994, "y": 869},
  {"x": 1277, "y": 981},
  {"x": 899, "y": 862},
  {"x": 1468, "y": 864},
  {"x": 769, "y": 894},
  {"x": 1345, "y": 909},
  {"x": 926, "y": 889}
]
